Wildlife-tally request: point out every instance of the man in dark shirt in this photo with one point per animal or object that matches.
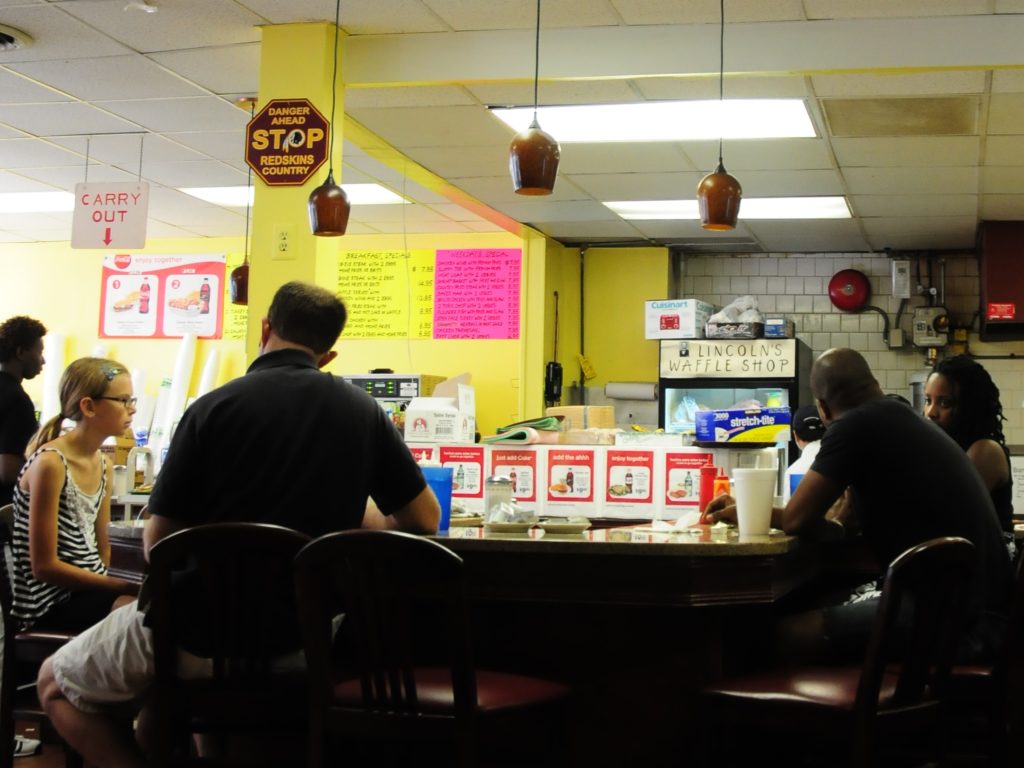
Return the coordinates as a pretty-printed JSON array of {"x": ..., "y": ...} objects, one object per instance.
[
  {"x": 284, "y": 444},
  {"x": 21, "y": 357},
  {"x": 909, "y": 482}
]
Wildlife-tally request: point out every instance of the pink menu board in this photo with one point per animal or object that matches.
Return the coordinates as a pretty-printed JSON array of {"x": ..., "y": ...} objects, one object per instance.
[{"x": 476, "y": 293}]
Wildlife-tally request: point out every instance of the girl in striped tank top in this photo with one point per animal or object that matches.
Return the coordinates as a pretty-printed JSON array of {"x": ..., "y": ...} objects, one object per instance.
[{"x": 62, "y": 505}]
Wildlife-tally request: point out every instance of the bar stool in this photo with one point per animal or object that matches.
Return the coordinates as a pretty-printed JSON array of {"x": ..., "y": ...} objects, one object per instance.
[
  {"x": 400, "y": 593},
  {"x": 853, "y": 711}
]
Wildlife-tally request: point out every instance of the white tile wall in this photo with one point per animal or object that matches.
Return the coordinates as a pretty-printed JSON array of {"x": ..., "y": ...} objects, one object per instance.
[{"x": 796, "y": 286}]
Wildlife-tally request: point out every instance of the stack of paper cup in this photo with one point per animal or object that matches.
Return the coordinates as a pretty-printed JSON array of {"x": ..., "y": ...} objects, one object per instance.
[{"x": 755, "y": 491}]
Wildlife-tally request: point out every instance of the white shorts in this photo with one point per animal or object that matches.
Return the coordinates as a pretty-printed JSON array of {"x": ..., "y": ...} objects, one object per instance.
[{"x": 112, "y": 662}]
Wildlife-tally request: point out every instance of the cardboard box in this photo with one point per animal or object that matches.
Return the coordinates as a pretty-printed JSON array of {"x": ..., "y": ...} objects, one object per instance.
[
  {"x": 631, "y": 484},
  {"x": 468, "y": 463},
  {"x": 778, "y": 328},
  {"x": 734, "y": 330},
  {"x": 676, "y": 318},
  {"x": 585, "y": 416},
  {"x": 756, "y": 425},
  {"x": 524, "y": 465},
  {"x": 447, "y": 417}
]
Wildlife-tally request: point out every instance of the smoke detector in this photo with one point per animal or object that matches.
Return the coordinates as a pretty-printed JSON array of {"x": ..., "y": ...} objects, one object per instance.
[{"x": 12, "y": 39}]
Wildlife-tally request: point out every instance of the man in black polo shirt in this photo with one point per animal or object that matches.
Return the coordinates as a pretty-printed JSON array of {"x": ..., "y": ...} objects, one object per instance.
[
  {"x": 284, "y": 444},
  {"x": 909, "y": 482}
]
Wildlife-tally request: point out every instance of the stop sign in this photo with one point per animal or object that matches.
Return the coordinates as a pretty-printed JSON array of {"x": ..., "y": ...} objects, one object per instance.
[{"x": 286, "y": 142}]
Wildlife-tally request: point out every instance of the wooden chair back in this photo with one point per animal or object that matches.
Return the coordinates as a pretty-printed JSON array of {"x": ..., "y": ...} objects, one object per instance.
[
  {"x": 922, "y": 604},
  {"x": 394, "y": 590},
  {"x": 240, "y": 594}
]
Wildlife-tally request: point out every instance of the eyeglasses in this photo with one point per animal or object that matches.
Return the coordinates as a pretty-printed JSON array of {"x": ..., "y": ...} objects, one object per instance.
[{"x": 127, "y": 402}]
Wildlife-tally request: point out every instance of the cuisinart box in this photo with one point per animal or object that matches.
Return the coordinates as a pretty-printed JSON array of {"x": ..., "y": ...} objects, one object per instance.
[
  {"x": 676, "y": 318},
  {"x": 755, "y": 425}
]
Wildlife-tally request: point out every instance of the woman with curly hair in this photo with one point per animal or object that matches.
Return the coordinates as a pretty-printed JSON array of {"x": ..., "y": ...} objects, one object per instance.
[{"x": 961, "y": 398}]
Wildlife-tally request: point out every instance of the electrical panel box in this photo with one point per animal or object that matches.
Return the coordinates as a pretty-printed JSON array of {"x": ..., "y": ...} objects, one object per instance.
[
  {"x": 901, "y": 278},
  {"x": 931, "y": 326}
]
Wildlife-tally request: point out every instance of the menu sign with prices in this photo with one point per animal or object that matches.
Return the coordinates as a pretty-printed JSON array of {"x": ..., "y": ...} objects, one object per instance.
[
  {"x": 162, "y": 297},
  {"x": 476, "y": 293},
  {"x": 388, "y": 294},
  {"x": 425, "y": 294}
]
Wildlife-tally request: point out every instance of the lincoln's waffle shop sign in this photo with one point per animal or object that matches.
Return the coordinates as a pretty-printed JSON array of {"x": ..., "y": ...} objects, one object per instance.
[{"x": 286, "y": 142}]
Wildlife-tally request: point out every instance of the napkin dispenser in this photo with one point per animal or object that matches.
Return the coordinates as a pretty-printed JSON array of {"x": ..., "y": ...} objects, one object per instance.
[{"x": 135, "y": 476}]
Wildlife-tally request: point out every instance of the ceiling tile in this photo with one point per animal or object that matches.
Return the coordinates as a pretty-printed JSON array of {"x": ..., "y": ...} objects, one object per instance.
[
  {"x": 174, "y": 26},
  {"x": 64, "y": 119},
  {"x": 914, "y": 205},
  {"x": 918, "y": 84},
  {"x": 907, "y": 152},
  {"x": 26, "y": 153},
  {"x": 111, "y": 77},
  {"x": 422, "y": 127},
  {"x": 424, "y": 96},
  {"x": 222, "y": 70},
  {"x": 901, "y": 181},
  {"x": 17, "y": 89},
  {"x": 169, "y": 115},
  {"x": 519, "y": 14},
  {"x": 1006, "y": 113}
]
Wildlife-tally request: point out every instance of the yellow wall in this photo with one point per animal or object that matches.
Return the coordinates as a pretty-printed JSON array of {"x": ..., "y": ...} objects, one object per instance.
[
  {"x": 616, "y": 283},
  {"x": 61, "y": 288}
]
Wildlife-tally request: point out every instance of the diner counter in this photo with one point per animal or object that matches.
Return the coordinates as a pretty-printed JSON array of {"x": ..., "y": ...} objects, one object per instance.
[{"x": 631, "y": 618}]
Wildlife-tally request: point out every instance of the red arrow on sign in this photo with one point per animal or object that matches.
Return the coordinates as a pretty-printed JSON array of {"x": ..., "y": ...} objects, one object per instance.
[{"x": 106, "y": 236}]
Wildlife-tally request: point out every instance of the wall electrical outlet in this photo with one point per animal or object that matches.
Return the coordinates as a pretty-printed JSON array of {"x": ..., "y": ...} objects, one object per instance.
[{"x": 282, "y": 243}]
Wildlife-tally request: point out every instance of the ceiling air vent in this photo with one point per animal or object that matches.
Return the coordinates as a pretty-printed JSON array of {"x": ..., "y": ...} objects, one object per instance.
[
  {"x": 12, "y": 39},
  {"x": 716, "y": 245}
]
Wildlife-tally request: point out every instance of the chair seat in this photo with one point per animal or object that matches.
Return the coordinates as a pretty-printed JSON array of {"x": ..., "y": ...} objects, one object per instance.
[
  {"x": 496, "y": 691},
  {"x": 833, "y": 687}
]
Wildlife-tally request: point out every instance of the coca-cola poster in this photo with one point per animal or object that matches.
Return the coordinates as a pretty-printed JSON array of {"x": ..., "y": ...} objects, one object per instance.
[{"x": 162, "y": 296}]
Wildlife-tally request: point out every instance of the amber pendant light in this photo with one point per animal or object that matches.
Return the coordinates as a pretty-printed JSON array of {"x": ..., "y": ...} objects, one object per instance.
[
  {"x": 328, "y": 203},
  {"x": 533, "y": 155},
  {"x": 719, "y": 193},
  {"x": 239, "y": 278}
]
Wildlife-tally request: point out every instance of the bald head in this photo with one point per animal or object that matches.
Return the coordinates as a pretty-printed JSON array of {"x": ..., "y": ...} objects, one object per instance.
[{"x": 841, "y": 380}]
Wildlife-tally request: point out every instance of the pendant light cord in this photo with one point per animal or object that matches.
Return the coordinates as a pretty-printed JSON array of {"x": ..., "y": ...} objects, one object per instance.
[
  {"x": 248, "y": 187},
  {"x": 721, "y": 74},
  {"x": 334, "y": 86},
  {"x": 536, "y": 62}
]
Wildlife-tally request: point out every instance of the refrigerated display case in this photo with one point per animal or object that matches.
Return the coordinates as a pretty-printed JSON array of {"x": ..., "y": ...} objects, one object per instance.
[{"x": 719, "y": 374}]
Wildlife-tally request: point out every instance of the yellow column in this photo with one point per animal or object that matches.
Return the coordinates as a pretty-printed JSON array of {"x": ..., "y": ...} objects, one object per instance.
[{"x": 296, "y": 62}]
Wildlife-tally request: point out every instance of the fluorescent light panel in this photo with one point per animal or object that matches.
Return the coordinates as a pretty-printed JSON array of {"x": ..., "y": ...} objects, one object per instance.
[
  {"x": 667, "y": 120},
  {"x": 36, "y": 202},
  {"x": 239, "y": 197},
  {"x": 751, "y": 208}
]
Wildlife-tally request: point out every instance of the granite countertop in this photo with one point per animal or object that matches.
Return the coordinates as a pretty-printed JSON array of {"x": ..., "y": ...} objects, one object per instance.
[{"x": 640, "y": 540}]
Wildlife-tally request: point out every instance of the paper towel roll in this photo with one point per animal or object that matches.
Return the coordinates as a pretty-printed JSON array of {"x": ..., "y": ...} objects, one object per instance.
[
  {"x": 209, "y": 378},
  {"x": 53, "y": 352},
  {"x": 138, "y": 382},
  {"x": 631, "y": 390}
]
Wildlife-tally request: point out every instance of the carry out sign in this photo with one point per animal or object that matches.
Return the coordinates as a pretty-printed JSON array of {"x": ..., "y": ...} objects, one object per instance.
[
  {"x": 286, "y": 142},
  {"x": 110, "y": 215}
]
